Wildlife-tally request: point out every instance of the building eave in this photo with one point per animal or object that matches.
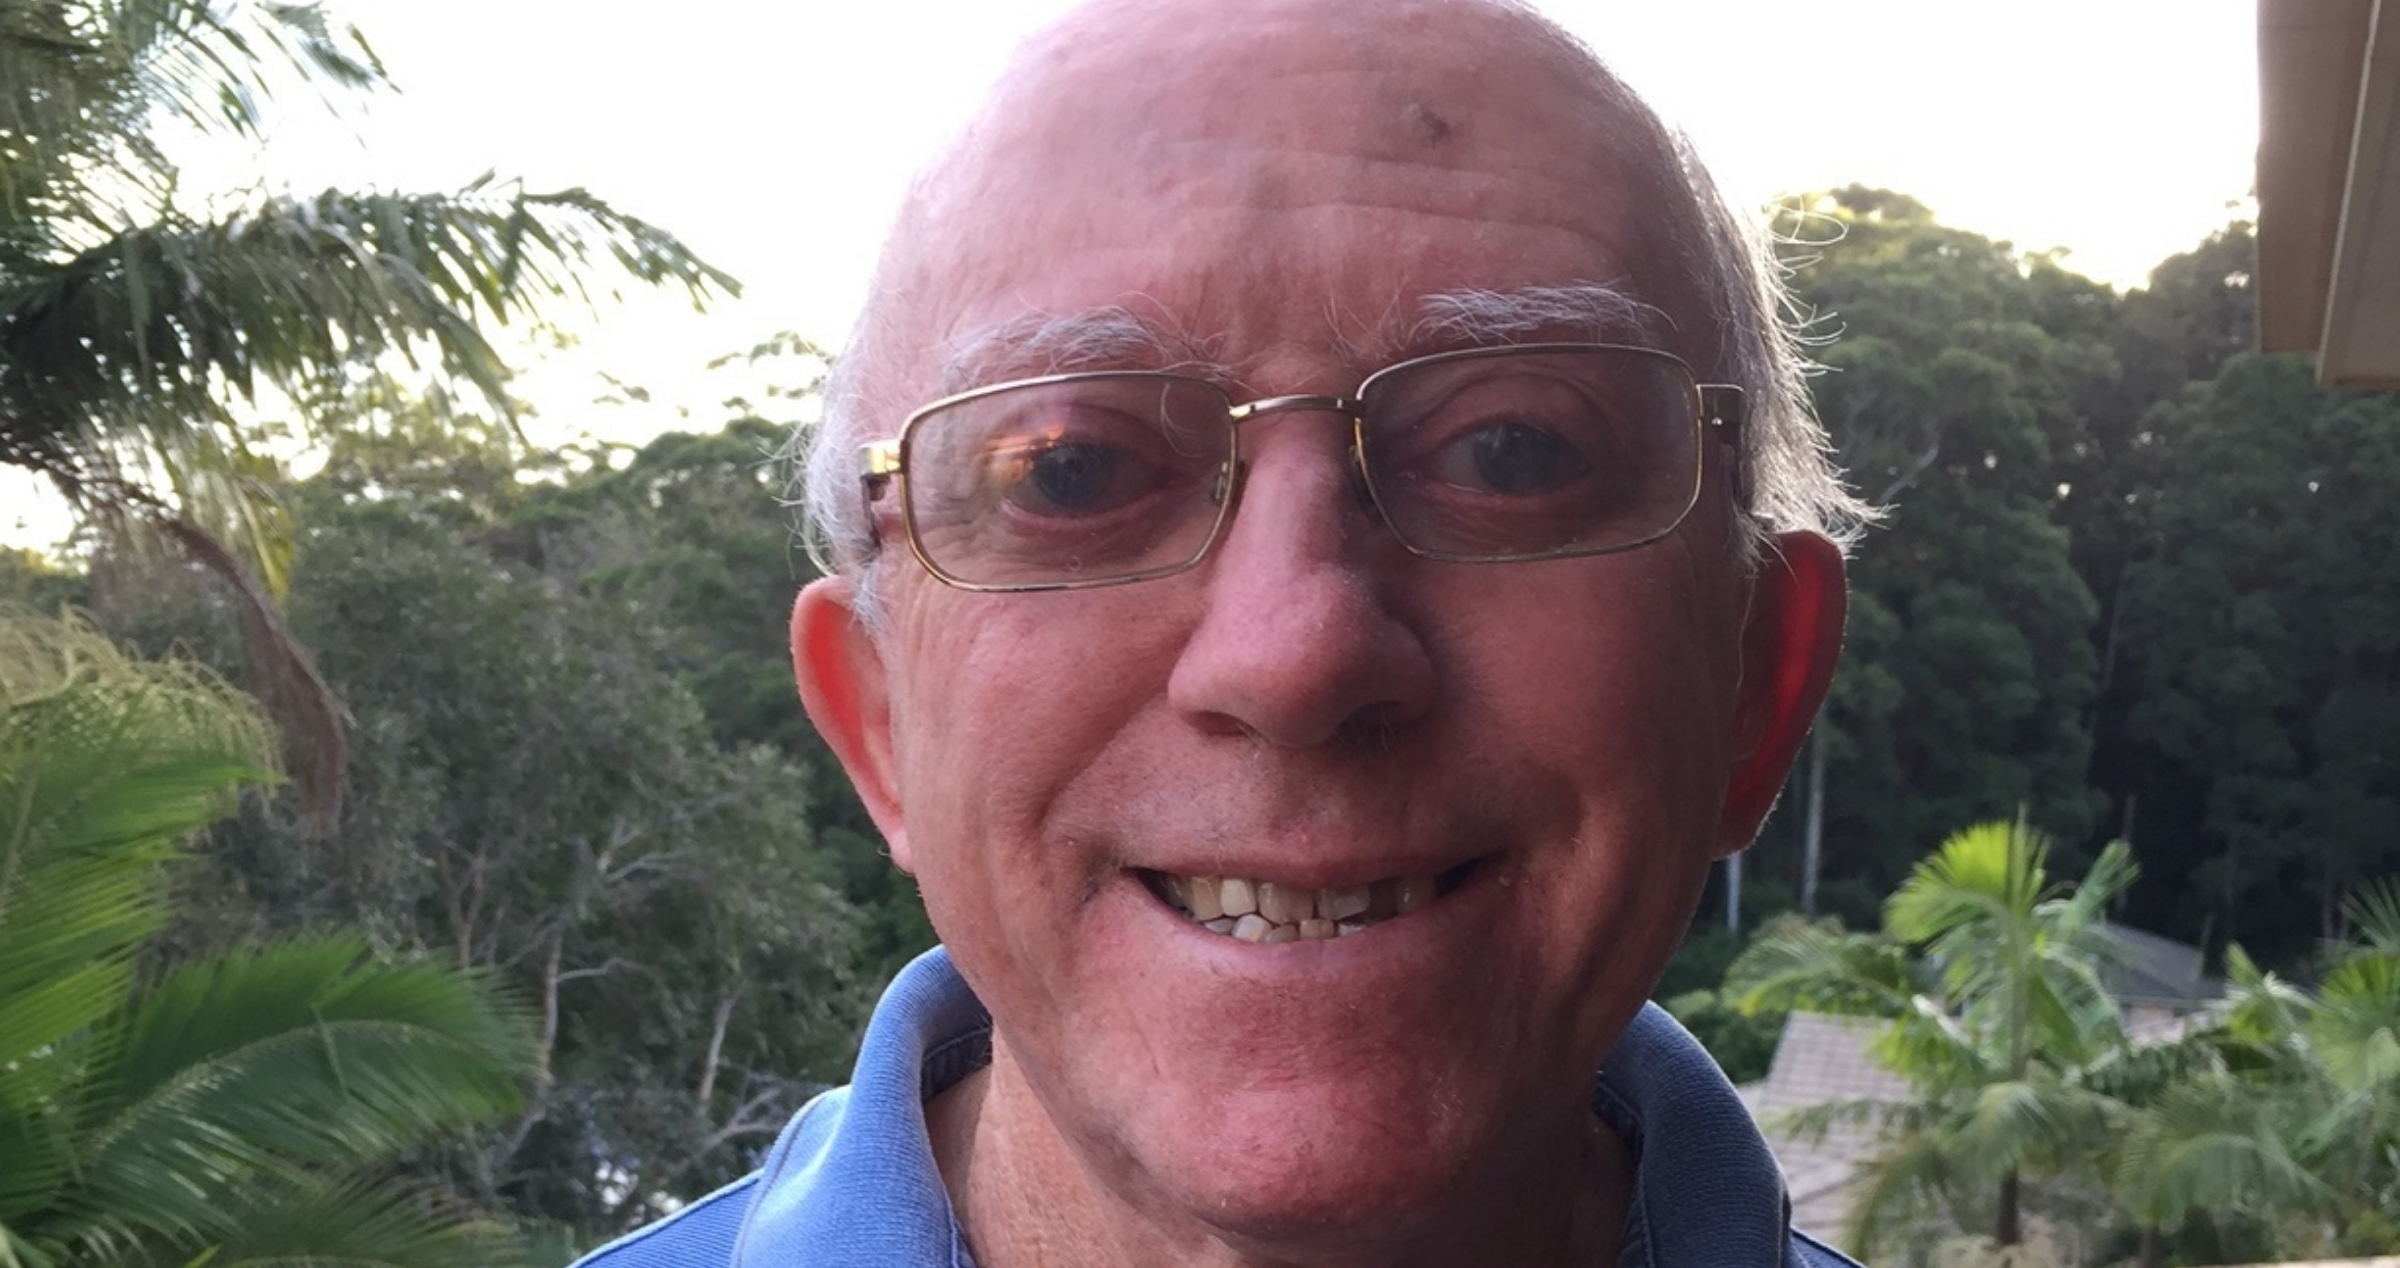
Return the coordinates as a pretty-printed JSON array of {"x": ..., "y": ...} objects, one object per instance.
[{"x": 2329, "y": 186}]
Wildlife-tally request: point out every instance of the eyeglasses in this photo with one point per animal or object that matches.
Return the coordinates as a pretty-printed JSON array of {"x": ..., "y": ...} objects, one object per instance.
[{"x": 1533, "y": 451}]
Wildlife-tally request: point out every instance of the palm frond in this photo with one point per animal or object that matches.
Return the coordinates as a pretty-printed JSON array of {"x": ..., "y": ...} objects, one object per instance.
[
  {"x": 2355, "y": 1027},
  {"x": 2210, "y": 1142},
  {"x": 174, "y": 315},
  {"x": 1824, "y": 968},
  {"x": 1815, "y": 1121},
  {"x": 1988, "y": 868},
  {"x": 1935, "y": 1050},
  {"x": 106, "y": 765},
  {"x": 301, "y": 1056},
  {"x": 2259, "y": 1007},
  {"x": 85, "y": 83},
  {"x": 363, "y": 1224},
  {"x": 1902, "y": 1177},
  {"x": 2111, "y": 874},
  {"x": 2374, "y": 912},
  {"x": 2034, "y": 1125}
]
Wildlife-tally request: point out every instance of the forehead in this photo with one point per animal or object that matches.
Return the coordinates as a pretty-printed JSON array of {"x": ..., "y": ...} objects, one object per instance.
[{"x": 1281, "y": 179}]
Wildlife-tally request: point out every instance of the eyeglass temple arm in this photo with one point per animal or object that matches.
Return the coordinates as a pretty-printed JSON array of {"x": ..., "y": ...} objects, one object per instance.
[
  {"x": 878, "y": 462},
  {"x": 1724, "y": 408}
]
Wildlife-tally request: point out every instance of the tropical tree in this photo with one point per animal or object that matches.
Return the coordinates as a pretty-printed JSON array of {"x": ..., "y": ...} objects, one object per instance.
[
  {"x": 2283, "y": 1108},
  {"x": 1990, "y": 973},
  {"x": 2261, "y": 634},
  {"x": 135, "y": 332},
  {"x": 236, "y": 1109},
  {"x": 1958, "y": 378},
  {"x": 577, "y": 767}
]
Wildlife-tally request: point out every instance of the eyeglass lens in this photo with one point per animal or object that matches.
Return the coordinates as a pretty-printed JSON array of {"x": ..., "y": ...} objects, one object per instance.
[
  {"x": 1104, "y": 477},
  {"x": 1089, "y": 478}
]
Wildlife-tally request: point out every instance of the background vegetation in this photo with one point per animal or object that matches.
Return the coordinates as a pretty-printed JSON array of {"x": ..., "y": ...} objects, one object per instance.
[{"x": 2135, "y": 585}]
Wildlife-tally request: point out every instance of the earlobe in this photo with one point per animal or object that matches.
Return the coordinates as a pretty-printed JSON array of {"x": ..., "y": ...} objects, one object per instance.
[
  {"x": 844, "y": 688},
  {"x": 1789, "y": 646}
]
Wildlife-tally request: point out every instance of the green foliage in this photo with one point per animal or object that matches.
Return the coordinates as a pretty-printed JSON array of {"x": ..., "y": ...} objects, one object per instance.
[
  {"x": 682, "y": 535},
  {"x": 2265, "y": 644},
  {"x": 239, "y": 1108},
  {"x": 1988, "y": 971},
  {"x": 138, "y": 334},
  {"x": 1961, "y": 372},
  {"x": 2269, "y": 1127},
  {"x": 1742, "y": 1042},
  {"x": 130, "y": 327},
  {"x": 2281, "y": 1110},
  {"x": 579, "y": 767}
]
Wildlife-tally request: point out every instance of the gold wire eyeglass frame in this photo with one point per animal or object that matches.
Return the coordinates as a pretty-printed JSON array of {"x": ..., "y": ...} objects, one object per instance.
[{"x": 1717, "y": 409}]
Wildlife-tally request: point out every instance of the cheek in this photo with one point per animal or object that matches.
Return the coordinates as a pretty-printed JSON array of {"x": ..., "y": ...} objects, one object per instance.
[
  {"x": 1623, "y": 679},
  {"x": 1619, "y": 694},
  {"x": 1001, "y": 703}
]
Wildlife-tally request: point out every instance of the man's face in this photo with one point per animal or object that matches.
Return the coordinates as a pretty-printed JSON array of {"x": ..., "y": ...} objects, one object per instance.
[{"x": 1545, "y": 745}]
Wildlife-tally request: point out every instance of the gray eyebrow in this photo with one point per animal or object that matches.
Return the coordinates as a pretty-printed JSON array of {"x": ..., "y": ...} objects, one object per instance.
[
  {"x": 1476, "y": 318},
  {"x": 1114, "y": 337},
  {"x": 1108, "y": 338}
]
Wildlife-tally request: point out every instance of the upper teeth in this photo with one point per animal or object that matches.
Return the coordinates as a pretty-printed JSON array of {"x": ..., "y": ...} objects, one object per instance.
[{"x": 1264, "y": 911}]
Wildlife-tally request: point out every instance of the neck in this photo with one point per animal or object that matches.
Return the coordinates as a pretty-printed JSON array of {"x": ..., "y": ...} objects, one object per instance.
[{"x": 1026, "y": 1198}]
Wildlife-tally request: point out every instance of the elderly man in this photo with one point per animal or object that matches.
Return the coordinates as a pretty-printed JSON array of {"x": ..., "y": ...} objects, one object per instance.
[{"x": 1329, "y": 551}]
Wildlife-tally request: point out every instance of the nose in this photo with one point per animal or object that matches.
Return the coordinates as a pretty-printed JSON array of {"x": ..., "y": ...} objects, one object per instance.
[{"x": 1302, "y": 639}]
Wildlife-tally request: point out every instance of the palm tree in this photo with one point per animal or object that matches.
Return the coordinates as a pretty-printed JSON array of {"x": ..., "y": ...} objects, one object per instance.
[
  {"x": 2284, "y": 1106},
  {"x": 135, "y": 334},
  {"x": 2208, "y": 1123},
  {"x": 241, "y": 1108},
  {"x": 1989, "y": 972}
]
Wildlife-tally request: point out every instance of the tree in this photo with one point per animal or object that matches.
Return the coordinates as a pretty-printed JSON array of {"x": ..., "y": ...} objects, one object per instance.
[
  {"x": 2263, "y": 645},
  {"x": 681, "y": 533},
  {"x": 235, "y": 1109},
  {"x": 1961, "y": 370},
  {"x": 135, "y": 334},
  {"x": 2282, "y": 1109},
  {"x": 1989, "y": 973},
  {"x": 541, "y": 791}
]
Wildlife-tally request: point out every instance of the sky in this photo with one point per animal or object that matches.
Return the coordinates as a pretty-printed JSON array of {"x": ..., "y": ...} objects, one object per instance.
[{"x": 776, "y": 137}]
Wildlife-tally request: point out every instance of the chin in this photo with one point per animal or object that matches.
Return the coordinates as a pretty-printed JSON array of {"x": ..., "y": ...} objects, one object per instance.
[{"x": 1319, "y": 1167}]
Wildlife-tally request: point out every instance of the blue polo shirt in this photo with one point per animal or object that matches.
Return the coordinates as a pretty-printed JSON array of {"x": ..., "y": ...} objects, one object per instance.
[{"x": 851, "y": 1182}]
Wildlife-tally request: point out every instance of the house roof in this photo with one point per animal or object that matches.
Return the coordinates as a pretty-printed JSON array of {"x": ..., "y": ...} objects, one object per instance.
[
  {"x": 1821, "y": 1059},
  {"x": 2157, "y": 971}
]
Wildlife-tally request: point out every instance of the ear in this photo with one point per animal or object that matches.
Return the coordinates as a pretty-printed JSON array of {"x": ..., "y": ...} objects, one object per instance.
[
  {"x": 844, "y": 687},
  {"x": 1790, "y": 641}
]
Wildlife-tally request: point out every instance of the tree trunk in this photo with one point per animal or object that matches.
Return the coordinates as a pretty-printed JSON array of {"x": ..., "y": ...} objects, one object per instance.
[
  {"x": 1812, "y": 833},
  {"x": 2154, "y": 1249},
  {"x": 1733, "y": 892},
  {"x": 2004, "y": 1228}
]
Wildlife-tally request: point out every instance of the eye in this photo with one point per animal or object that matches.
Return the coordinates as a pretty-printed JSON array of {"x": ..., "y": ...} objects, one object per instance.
[
  {"x": 1509, "y": 457},
  {"x": 1069, "y": 477}
]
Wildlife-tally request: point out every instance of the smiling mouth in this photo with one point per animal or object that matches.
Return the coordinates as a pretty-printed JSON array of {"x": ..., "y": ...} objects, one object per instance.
[{"x": 1263, "y": 911}]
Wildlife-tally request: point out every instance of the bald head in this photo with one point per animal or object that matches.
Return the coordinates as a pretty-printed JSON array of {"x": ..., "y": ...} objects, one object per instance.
[
  {"x": 1369, "y": 597},
  {"x": 1296, "y": 170}
]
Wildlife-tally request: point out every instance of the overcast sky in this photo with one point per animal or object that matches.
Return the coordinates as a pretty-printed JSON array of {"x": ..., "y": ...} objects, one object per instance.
[{"x": 776, "y": 136}]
